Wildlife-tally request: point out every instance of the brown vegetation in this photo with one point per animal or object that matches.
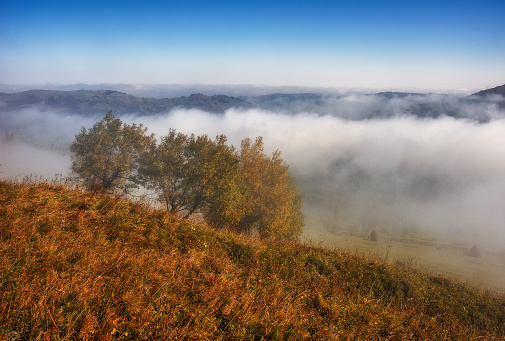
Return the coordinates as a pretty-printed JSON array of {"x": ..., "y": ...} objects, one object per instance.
[{"x": 78, "y": 265}]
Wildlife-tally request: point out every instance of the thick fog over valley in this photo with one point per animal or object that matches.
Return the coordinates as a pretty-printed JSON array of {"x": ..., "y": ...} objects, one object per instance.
[{"x": 391, "y": 161}]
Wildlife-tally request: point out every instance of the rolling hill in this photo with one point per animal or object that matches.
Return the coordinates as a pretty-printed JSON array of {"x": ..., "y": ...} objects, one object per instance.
[
  {"x": 494, "y": 96},
  {"x": 80, "y": 265},
  {"x": 98, "y": 102},
  {"x": 499, "y": 90},
  {"x": 379, "y": 105}
]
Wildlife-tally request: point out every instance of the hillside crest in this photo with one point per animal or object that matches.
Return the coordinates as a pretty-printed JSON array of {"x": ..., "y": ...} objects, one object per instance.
[{"x": 97, "y": 102}]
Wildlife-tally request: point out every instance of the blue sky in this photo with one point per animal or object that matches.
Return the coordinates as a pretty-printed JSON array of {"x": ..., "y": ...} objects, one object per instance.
[{"x": 360, "y": 44}]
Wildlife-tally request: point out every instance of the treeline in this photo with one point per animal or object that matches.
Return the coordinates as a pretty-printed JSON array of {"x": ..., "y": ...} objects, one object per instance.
[{"x": 239, "y": 189}]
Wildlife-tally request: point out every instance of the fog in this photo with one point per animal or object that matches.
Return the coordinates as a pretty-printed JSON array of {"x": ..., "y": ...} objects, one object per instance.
[
  {"x": 441, "y": 174},
  {"x": 176, "y": 90},
  {"x": 359, "y": 160}
]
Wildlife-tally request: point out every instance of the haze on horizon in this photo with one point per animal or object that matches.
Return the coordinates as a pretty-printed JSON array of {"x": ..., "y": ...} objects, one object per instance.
[
  {"x": 370, "y": 155},
  {"x": 434, "y": 45}
]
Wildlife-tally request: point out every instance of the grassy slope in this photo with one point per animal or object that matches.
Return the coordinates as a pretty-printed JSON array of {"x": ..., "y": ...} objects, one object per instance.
[{"x": 78, "y": 265}]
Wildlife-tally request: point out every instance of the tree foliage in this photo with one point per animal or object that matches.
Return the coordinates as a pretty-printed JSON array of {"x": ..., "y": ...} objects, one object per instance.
[
  {"x": 106, "y": 157},
  {"x": 271, "y": 203},
  {"x": 188, "y": 173},
  {"x": 243, "y": 190}
]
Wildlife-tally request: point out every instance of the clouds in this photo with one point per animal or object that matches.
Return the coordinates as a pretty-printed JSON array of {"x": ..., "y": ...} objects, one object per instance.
[
  {"x": 19, "y": 160},
  {"x": 44, "y": 128},
  {"x": 41, "y": 140},
  {"x": 434, "y": 173},
  {"x": 360, "y": 106},
  {"x": 369, "y": 155}
]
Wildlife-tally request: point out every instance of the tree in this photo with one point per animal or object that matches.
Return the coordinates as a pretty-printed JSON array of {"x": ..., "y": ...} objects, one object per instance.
[
  {"x": 217, "y": 170},
  {"x": 243, "y": 190},
  {"x": 106, "y": 157},
  {"x": 270, "y": 204},
  {"x": 188, "y": 173},
  {"x": 163, "y": 170}
]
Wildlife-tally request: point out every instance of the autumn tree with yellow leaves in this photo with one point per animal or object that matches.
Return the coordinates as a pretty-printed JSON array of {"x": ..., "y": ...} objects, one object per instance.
[
  {"x": 261, "y": 198},
  {"x": 271, "y": 204},
  {"x": 244, "y": 190}
]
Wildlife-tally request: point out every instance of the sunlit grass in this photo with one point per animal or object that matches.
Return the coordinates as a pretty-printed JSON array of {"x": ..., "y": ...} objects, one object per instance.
[{"x": 77, "y": 265}]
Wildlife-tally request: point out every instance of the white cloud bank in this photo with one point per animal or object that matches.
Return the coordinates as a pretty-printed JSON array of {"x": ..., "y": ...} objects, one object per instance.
[
  {"x": 442, "y": 174},
  {"x": 439, "y": 174}
]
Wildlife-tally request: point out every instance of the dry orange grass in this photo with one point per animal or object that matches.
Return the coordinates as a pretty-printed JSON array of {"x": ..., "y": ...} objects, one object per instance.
[{"x": 78, "y": 265}]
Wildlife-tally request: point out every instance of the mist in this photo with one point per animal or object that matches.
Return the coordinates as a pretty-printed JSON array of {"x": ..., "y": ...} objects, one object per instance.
[
  {"x": 366, "y": 161},
  {"x": 175, "y": 90},
  {"x": 21, "y": 161},
  {"x": 35, "y": 143},
  {"x": 441, "y": 175}
]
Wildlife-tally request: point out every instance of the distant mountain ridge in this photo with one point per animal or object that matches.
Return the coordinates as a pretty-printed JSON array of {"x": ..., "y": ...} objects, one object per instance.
[
  {"x": 90, "y": 102},
  {"x": 395, "y": 94},
  {"x": 494, "y": 95},
  {"x": 499, "y": 90},
  {"x": 98, "y": 102}
]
